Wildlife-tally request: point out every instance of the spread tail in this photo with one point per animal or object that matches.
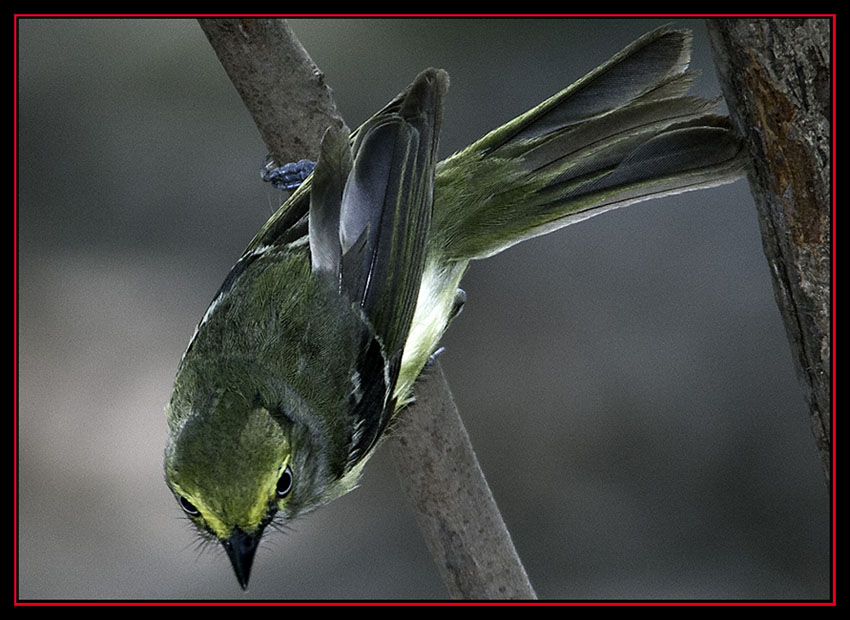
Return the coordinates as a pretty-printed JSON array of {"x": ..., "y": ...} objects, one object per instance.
[{"x": 624, "y": 133}]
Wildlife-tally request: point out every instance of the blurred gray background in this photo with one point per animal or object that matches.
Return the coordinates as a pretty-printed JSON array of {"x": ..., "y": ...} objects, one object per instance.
[{"x": 626, "y": 382}]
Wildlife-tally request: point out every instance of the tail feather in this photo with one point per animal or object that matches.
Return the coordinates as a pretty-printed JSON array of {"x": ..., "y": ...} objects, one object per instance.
[
  {"x": 624, "y": 133},
  {"x": 602, "y": 142},
  {"x": 654, "y": 66}
]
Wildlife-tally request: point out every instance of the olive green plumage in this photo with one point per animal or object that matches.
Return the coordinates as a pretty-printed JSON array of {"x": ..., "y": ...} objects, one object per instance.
[{"x": 319, "y": 332}]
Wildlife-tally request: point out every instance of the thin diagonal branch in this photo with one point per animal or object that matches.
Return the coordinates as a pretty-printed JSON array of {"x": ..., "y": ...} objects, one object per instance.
[
  {"x": 281, "y": 86},
  {"x": 454, "y": 507}
]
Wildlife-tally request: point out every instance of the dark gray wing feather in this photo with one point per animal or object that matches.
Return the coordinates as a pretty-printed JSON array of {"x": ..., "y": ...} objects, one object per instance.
[{"x": 370, "y": 213}]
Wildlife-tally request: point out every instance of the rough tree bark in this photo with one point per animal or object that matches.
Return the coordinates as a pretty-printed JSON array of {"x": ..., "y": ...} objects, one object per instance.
[
  {"x": 776, "y": 78},
  {"x": 286, "y": 95}
]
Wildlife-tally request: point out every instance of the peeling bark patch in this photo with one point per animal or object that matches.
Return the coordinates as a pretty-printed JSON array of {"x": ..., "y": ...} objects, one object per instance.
[{"x": 792, "y": 182}]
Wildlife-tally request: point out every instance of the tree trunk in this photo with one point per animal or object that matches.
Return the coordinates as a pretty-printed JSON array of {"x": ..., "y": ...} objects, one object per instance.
[{"x": 776, "y": 77}]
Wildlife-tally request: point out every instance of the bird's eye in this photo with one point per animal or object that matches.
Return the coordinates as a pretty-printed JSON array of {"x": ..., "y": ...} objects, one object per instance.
[
  {"x": 188, "y": 507},
  {"x": 284, "y": 483}
]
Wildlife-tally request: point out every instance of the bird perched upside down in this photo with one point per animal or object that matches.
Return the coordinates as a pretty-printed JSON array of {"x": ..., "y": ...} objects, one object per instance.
[{"x": 314, "y": 341}]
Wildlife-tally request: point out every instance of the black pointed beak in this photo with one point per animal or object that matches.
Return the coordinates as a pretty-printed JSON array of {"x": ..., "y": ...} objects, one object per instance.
[{"x": 241, "y": 548}]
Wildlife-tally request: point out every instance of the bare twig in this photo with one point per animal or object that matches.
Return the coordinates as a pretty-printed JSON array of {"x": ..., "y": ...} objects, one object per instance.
[
  {"x": 286, "y": 95},
  {"x": 454, "y": 507},
  {"x": 283, "y": 89},
  {"x": 775, "y": 75}
]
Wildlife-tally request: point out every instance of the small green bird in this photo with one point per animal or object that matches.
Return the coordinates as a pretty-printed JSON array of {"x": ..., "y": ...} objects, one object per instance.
[{"x": 320, "y": 330}]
